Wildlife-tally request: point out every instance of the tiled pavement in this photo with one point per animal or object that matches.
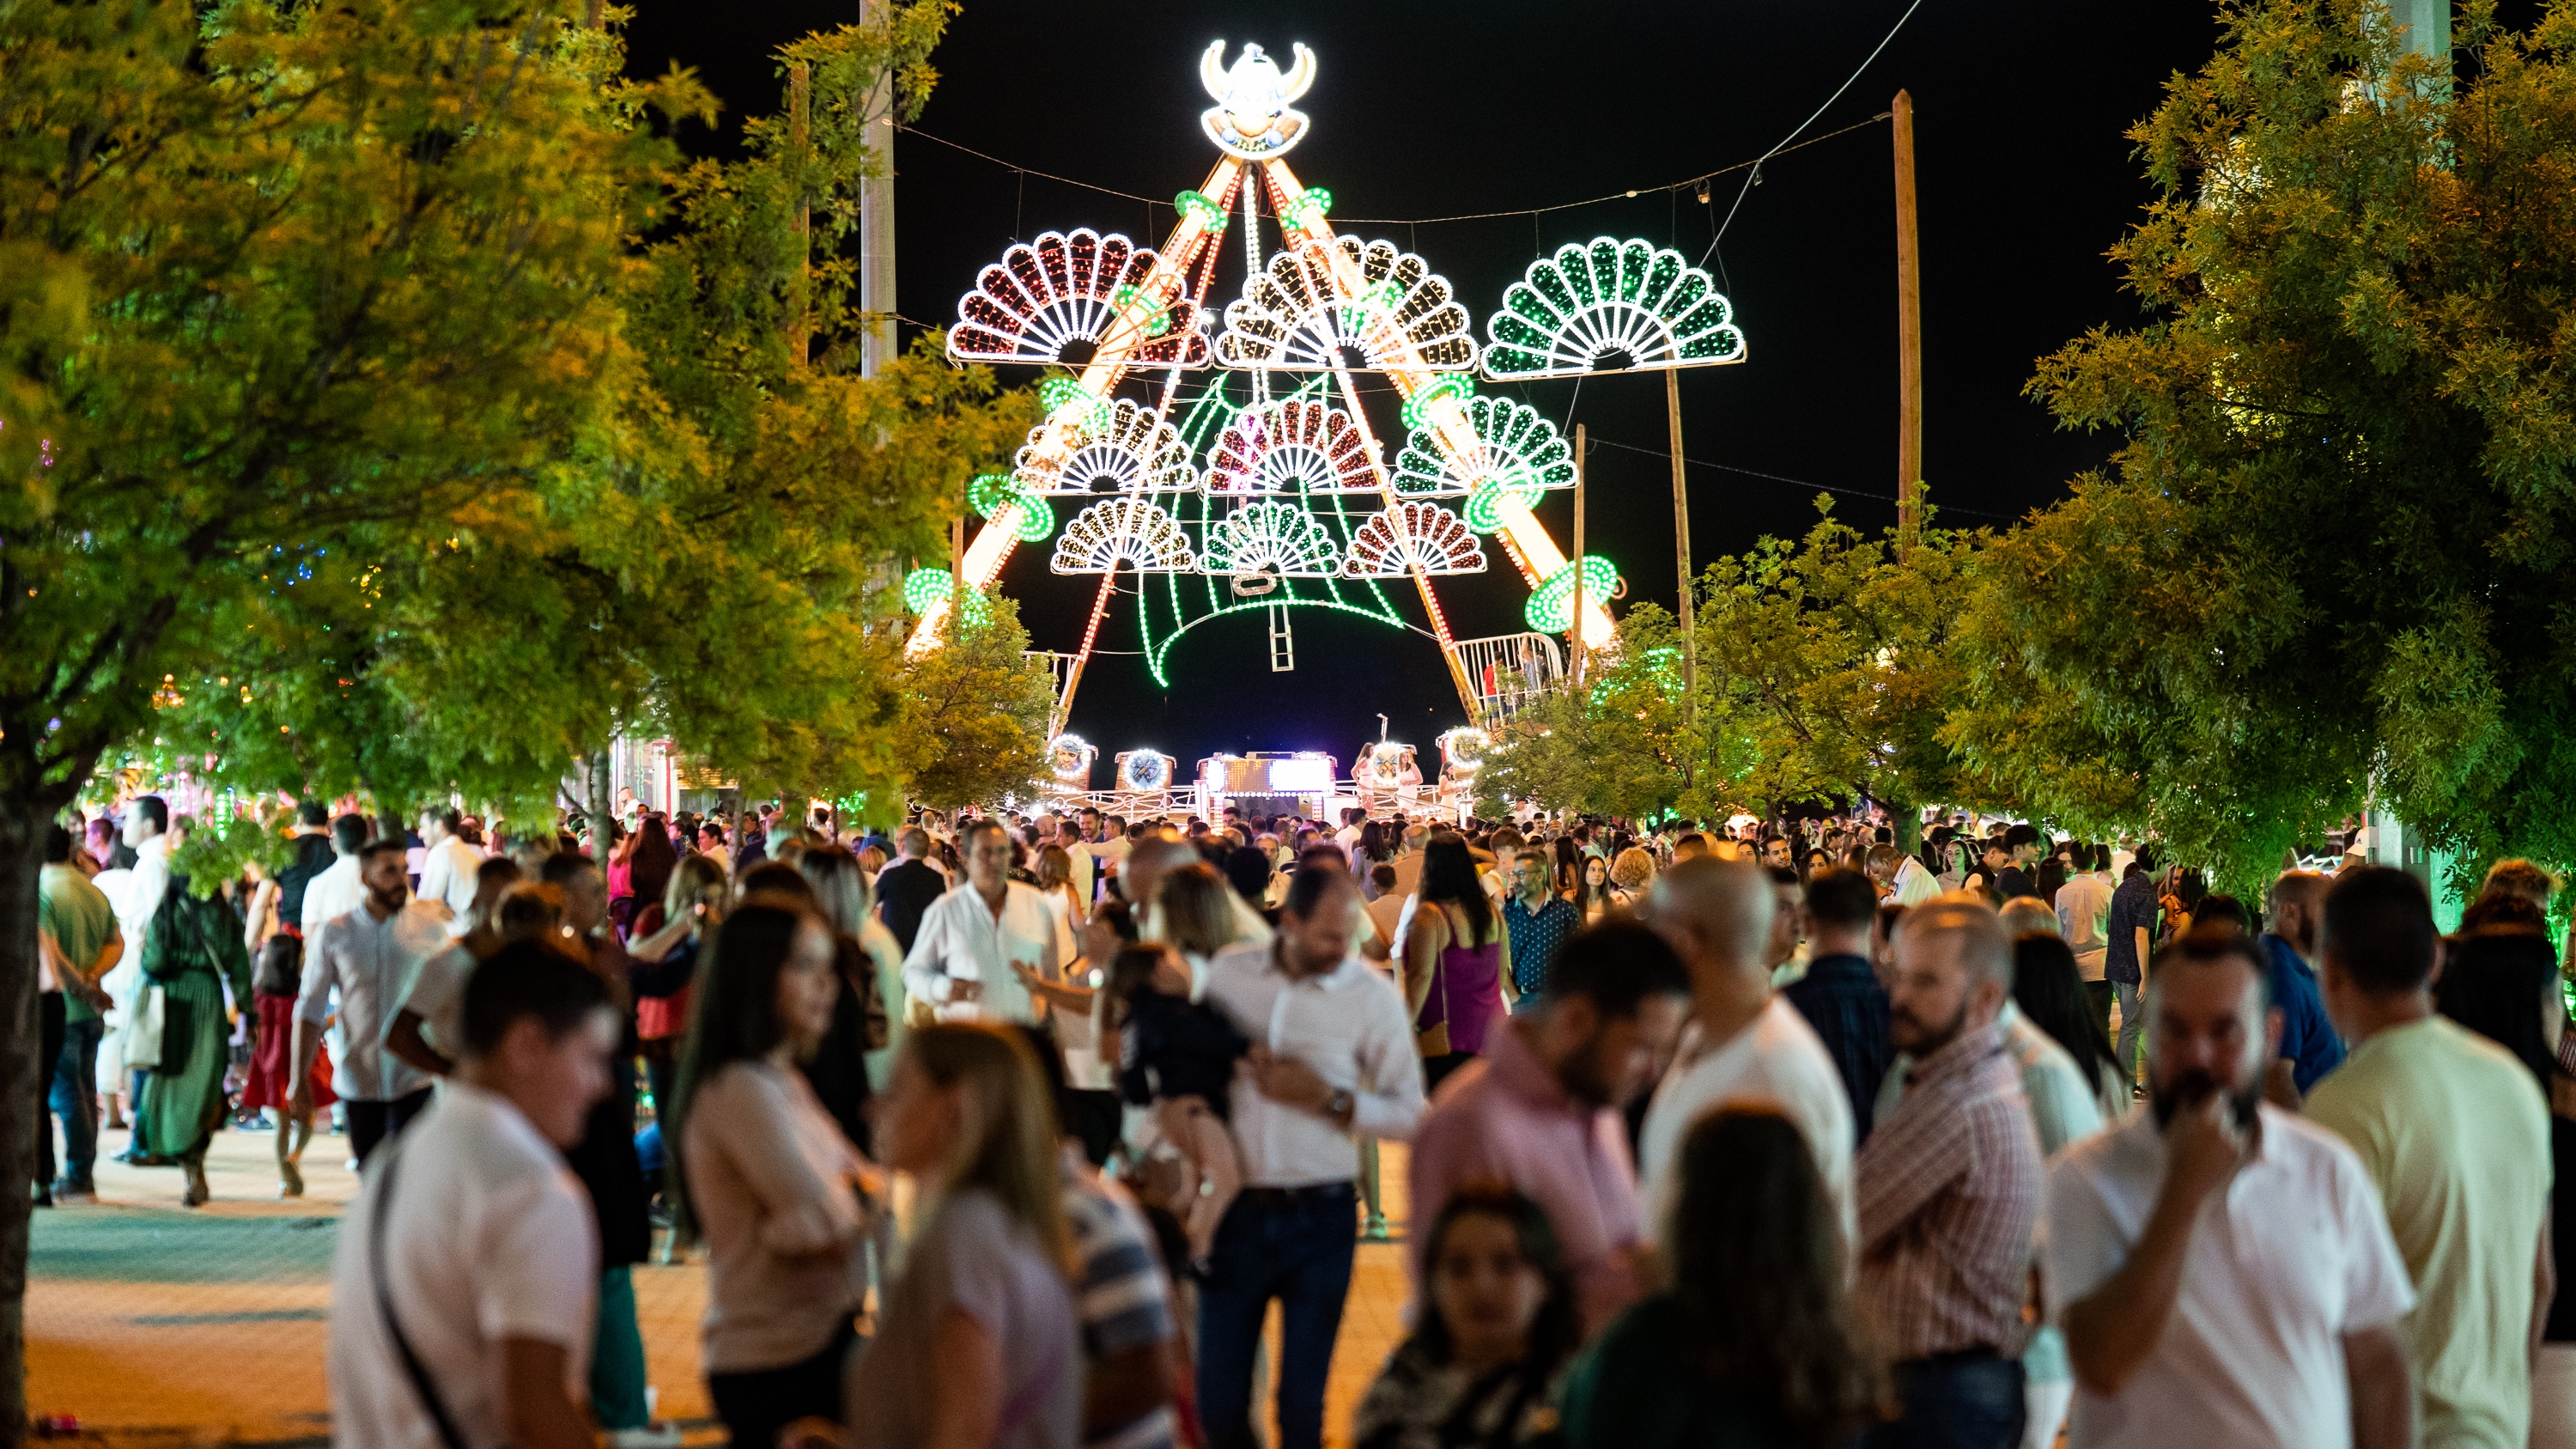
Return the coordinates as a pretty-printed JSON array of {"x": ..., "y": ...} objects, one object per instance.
[{"x": 159, "y": 1326}]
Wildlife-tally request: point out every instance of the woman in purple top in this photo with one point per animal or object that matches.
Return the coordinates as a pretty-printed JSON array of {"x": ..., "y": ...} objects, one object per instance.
[{"x": 1457, "y": 960}]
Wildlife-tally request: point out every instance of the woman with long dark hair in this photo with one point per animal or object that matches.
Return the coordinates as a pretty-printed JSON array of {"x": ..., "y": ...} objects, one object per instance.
[
  {"x": 1498, "y": 1319},
  {"x": 1593, "y": 896},
  {"x": 2049, "y": 989},
  {"x": 649, "y": 863},
  {"x": 772, "y": 1184},
  {"x": 1457, "y": 960},
  {"x": 1755, "y": 1342},
  {"x": 1370, "y": 851}
]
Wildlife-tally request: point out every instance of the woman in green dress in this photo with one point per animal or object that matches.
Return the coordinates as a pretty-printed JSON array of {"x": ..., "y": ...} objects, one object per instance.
[{"x": 192, "y": 949}]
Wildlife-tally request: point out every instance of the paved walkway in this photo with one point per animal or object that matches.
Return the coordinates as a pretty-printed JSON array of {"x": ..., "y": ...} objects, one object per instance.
[{"x": 155, "y": 1325}]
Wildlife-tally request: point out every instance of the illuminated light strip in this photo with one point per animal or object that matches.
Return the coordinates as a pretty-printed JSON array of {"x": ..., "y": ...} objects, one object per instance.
[
  {"x": 992, "y": 546},
  {"x": 1525, "y": 539}
]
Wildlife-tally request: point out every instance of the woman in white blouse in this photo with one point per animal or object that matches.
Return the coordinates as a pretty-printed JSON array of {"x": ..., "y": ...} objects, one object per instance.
[{"x": 773, "y": 1185}]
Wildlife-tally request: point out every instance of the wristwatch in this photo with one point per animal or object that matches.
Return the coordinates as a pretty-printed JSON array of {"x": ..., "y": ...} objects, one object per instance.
[{"x": 1339, "y": 1104}]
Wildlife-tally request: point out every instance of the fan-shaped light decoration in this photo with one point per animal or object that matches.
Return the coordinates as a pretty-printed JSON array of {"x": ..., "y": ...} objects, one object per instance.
[
  {"x": 1144, "y": 771},
  {"x": 1295, "y": 445},
  {"x": 1517, "y": 451},
  {"x": 1070, "y": 757},
  {"x": 1118, "y": 448},
  {"x": 1270, "y": 537},
  {"x": 1069, "y": 288},
  {"x": 1465, "y": 748},
  {"x": 1551, "y": 604},
  {"x": 1291, "y": 318},
  {"x": 1128, "y": 533},
  {"x": 1611, "y": 306},
  {"x": 1396, "y": 541}
]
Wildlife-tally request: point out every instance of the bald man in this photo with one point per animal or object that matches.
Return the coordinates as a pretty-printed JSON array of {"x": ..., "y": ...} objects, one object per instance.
[
  {"x": 2309, "y": 1046},
  {"x": 1742, "y": 1041}
]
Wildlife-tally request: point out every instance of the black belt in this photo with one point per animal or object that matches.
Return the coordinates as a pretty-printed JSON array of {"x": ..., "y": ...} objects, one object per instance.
[{"x": 1293, "y": 1196}]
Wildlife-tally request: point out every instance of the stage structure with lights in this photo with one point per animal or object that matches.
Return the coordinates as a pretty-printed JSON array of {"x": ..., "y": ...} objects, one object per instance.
[{"x": 1229, "y": 462}]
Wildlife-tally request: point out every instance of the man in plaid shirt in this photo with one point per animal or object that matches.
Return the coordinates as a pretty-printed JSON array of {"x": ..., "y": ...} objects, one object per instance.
[{"x": 1948, "y": 1189}]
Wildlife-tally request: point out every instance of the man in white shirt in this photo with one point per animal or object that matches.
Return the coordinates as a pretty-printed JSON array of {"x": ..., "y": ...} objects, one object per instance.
[
  {"x": 2222, "y": 1269},
  {"x": 2084, "y": 919},
  {"x": 1332, "y": 1059},
  {"x": 979, "y": 942},
  {"x": 338, "y": 891},
  {"x": 372, "y": 955},
  {"x": 461, "y": 1300},
  {"x": 711, "y": 844},
  {"x": 447, "y": 865},
  {"x": 1077, "y": 851},
  {"x": 1743, "y": 1041}
]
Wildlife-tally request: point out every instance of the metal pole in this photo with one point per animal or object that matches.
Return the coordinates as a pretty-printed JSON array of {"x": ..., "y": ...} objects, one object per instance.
[
  {"x": 1574, "y": 630},
  {"x": 1681, "y": 540},
  {"x": 876, "y": 218},
  {"x": 1909, "y": 337}
]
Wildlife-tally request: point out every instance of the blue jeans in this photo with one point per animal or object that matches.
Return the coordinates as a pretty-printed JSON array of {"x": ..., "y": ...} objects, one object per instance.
[
  {"x": 74, "y": 1097},
  {"x": 1294, "y": 1246},
  {"x": 1966, "y": 1400}
]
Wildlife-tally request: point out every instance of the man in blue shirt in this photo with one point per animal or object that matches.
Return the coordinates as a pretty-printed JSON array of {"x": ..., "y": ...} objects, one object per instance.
[
  {"x": 1840, "y": 996},
  {"x": 1539, "y": 920},
  {"x": 2309, "y": 1046},
  {"x": 2135, "y": 914}
]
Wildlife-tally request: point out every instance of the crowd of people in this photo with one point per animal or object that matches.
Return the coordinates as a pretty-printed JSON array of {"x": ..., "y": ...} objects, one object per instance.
[{"x": 1008, "y": 1130}]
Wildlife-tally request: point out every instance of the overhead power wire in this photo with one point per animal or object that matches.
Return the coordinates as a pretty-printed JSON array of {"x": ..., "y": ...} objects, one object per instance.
[
  {"x": 1688, "y": 183},
  {"x": 1755, "y": 174},
  {"x": 1793, "y": 482}
]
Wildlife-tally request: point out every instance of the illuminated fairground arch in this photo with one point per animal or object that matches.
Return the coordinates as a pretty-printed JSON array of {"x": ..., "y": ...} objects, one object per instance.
[{"x": 1230, "y": 458}]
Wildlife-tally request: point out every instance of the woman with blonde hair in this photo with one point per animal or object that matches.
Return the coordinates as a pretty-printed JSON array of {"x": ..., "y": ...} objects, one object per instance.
[
  {"x": 1631, "y": 875},
  {"x": 867, "y": 957},
  {"x": 1198, "y": 918},
  {"x": 978, "y": 1344},
  {"x": 1055, "y": 881},
  {"x": 668, "y": 939}
]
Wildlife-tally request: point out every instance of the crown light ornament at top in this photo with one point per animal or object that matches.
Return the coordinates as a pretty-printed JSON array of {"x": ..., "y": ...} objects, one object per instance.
[
  {"x": 1253, "y": 119},
  {"x": 1609, "y": 306}
]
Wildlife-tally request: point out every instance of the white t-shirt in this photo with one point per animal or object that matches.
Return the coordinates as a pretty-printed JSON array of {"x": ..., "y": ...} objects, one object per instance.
[
  {"x": 2293, "y": 1255},
  {"x": 1778, "y": 1057},
  {"x": 2083, "y": 918},
  {"x": 490, "y": 1237},
  {"x": 334, "y": 893},
  {"x": 447, "y": 872}
]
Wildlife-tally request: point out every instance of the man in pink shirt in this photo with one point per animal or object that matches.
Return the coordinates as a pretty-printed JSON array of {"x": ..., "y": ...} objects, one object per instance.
[{"x": 1541, "y": 1110}]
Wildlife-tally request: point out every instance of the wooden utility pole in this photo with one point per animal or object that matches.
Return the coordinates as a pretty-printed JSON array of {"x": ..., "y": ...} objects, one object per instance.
[
  {"x": 1575, "y": 626},
  {"x": 1681, "y": 539},
  {"x": 1909, "y": 337}
]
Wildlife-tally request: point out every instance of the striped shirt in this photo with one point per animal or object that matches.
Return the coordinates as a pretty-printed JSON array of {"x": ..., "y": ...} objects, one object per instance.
[
  {"x": 1123, "y": 1300},
  {"x": 1949, "y": 1188}
]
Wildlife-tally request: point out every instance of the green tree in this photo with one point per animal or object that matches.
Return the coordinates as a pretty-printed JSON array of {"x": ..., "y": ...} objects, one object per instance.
[
  {"x": 975, "y": 709},
  {"x": 1827, "y": 666},
  {"x": 2332, "y": 555},
  {"x": 277, "y": 284},
  {"x": 1624, "y": 745}
]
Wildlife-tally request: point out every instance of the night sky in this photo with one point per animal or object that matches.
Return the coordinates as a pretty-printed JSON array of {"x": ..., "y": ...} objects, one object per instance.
[{"x": 1423, "y": 109}]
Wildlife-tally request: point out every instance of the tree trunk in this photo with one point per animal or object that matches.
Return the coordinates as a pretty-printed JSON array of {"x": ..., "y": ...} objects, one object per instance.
[
  {"x": 602, "y": 804},
  {"x": 22, "y": 853},
  {"x": 1908, "y": 820}
]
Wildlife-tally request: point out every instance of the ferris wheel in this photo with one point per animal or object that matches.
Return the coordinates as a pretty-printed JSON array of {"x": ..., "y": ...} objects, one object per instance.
[{"x": 1251, "y": 476}]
